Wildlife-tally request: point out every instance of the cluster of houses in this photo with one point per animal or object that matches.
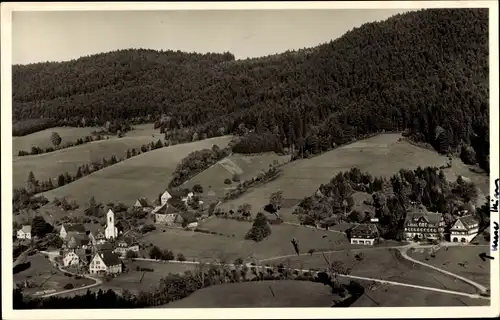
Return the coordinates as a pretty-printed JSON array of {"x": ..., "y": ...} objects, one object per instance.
[
  {"x": 421, "y": 224},
  {"x": 96, "y": 251},
  {"x": 168, "y": 212},
  {"x": 100, "y": 252}
]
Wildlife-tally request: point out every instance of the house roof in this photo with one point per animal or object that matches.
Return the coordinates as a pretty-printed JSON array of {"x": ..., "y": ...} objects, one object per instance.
[
  {"x": 468, "y": 221},
  {"x": 128, "y": 240},
  {"x": 74, "y": 227},
  {"x": 364, "y": 230},
  {"x": 106, "y": 246},
  {"x": 80, "y": 239},
  {"x": 179, "y": 193},
  {"x": 26, "y": 229},
  {"x": 420, "y": 211},
  {"x": 144, "y": 202},
  {"x": 177, "y": 203},
  {"x": 109, "y": 258}
]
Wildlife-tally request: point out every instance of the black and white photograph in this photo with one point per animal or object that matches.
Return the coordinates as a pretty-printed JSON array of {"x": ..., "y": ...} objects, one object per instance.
[{"x": 176, "y": 160}]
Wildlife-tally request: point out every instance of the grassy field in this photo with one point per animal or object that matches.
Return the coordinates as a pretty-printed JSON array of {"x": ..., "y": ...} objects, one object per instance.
[
  {"x": 136, "y": 281},
  {"x": 45, "y": 276},
  {"x": 279, "y": 242},
  {"x": 381, "y": 155},
  {"x": 449, "y": 259},
  {"x": 50, "y": 165},
  {"x": 382, "y": 264},
  {"x": 146, "y": 175},
  {"x": 287, "y": 294},
  {"x": 42, "y": 140},
  {"x": 397, "y": 296},
  {"x": 245, "y": 166}
]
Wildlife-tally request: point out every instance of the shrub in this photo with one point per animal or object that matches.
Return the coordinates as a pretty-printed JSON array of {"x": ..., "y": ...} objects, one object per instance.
[
  {"x": 180, "y": 257},
  {"x": 69, "y": 286},
  {"x": 227, "y": 181}
]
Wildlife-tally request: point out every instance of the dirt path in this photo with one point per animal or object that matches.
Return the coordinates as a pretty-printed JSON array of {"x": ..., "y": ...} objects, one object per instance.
[
  {"x": 404, "y": 253},
  {"x": 51, "y": 255}
]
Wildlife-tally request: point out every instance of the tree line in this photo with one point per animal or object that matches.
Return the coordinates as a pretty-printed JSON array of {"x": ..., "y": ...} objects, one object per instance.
[{"x": 396, "y": 75}]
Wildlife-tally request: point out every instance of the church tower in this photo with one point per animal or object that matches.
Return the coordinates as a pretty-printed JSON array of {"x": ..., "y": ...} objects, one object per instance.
[{"x": 111, "y": 231}]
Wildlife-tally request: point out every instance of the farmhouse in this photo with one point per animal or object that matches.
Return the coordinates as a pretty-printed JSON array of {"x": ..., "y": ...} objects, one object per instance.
[
  {"x": 421, "y": 224},
  {"x": 464, "y": 229},
  {"x": 75, "y": 258},
  {"x": 97, "y": 237},
  {"x": 365, "y": 233},
  {"x": 164, "y": 198},
  {"x": 24, "y": 232},
  {"x": 66, "y": 228},
  {"x": 143, "y": 204},
  {"x": 165, "y": 214},
  {"x": 76, "y": 241},
  {"x": 126, "y": 244},
  {"x": 182, "y": 194},
  {"x": 105, "y": 262}
]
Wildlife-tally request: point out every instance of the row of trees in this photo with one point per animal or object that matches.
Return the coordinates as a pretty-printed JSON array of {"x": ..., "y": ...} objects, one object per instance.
[
  {"x": 262, "y": 178},
  {"x": 56, "y": 141},
  {"x": 196, "y": 162}
]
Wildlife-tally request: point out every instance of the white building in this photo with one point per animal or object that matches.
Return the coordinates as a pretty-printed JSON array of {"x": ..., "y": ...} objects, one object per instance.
[
  {"x": 464, "y": 229},
  {"x": 73, "y": 259},
  {"x": 164, "y": 198},
  {"x": 105, "y": 262},
  {"x": 111, "y": 232},
  {"x": 366, "y": 234},
  {"x": 24, "y": 232}
]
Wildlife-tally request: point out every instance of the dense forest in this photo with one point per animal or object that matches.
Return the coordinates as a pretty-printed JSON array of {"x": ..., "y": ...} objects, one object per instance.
[{"x": 424, "y": 72}]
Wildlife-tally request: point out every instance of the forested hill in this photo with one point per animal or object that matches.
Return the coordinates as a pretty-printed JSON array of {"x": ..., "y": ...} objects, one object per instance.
[{"x": 425, "y": 71}]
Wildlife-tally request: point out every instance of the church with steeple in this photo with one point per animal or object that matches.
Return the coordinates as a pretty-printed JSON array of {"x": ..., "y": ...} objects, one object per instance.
[{"x": 111, "y": 231}]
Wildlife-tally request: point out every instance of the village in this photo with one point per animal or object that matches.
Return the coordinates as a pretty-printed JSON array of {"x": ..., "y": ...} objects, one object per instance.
[{"x": 101, "y": 252}]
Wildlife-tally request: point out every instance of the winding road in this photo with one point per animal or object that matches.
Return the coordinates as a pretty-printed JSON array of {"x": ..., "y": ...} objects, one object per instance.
[{"x": 403, "y": 249}]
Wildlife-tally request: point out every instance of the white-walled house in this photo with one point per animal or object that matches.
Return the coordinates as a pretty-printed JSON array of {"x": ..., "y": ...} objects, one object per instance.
[
  {"x": 365, "y": 233},
  {"x": 464, "y": 229},
  {"x": 105, "y": 262},
  {"x": 422, "y": 224},
  {"x": 71, "y": 258},
  {"x": 24, "y": 232},
  {"x": 126, "y": 244},
  {"x": 165, "y": 197}
]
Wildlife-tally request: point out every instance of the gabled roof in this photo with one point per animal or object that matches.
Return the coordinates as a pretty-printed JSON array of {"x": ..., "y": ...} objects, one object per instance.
[
  {"x": 109, "y": 258},
  {"x": 144, "y": 202},
  {"x": 468, "y": 221},
  {"x": 421, "y": 212},
  {"x": 74, "y": 228},
  {"x": 177, "y": 203},
  {"x": 364, "y": 230},
  {"x": 179, "y": 193},
  {"x": 166, "y": 209},
  {"x": 26, "y": 229}
]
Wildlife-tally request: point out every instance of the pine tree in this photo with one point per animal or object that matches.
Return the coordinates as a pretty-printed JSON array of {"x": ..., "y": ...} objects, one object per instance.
[
  {"x": 60, "y": 180},
  {"x": 79, "y": 173}
]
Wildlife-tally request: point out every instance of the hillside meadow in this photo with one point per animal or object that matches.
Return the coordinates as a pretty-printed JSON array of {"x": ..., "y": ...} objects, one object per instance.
[
  {"x": 146, "y": 175},
  {"x": 50, "y": 165},
  {"x": 386, "y": 295},
  {"x": 381, "y": 263},
  {"x": 287, "y": 294},
  {"x": 381, "y": 155},
  {"x": 245, "y": 166},
  {"x": 42, "y": 139}
]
